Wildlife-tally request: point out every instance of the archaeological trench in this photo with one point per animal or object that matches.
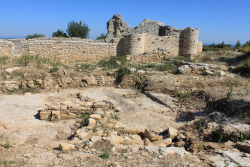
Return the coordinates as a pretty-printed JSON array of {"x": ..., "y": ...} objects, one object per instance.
[{"x": 83, "y": 102}]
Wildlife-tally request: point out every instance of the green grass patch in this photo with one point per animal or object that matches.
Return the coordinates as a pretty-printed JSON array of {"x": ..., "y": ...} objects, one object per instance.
[
  {"x": 151, "y": 65},
  {"x": 4, "y": 59},
  {"x": 113, "y": 62},
  {"x": 165, "y": 67}
]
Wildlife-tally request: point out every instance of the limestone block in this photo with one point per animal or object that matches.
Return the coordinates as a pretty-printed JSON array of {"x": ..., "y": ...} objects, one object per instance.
[
  {"x": 67, "y": 147},
  {"x": 116, "y": 139},
  {"x": 127, "y": 141},
  {"x": 99, "y": 112},
  {"x": 147, "y": 142},
  {"x": 159, "y": 143},
  {"x": 141, "y": 72},
  {"x": 88, "y": 104},
  {"x": 30, "y": 84},
  {"x": 83, "y": 134},
  {"x": 95, "y": 139},
  {"x": 151, "y": 135},
  {"x": 44, "y": 115},
  {"x": 167, "y": 141},
  {"x": 96, "y": 116},
  {"x": 172, "y": 133},
  {"x": 75, "y": 141},
  {"x": 92, "y": 122},
  {"x": 245, "y": 145},
  {"x": 136, "y": 140},
  {"x": 55, "y": 115},
  {"x": 11, "y": 70},
  {"x": 100, "y": 105},
  {"x": 64, "y": 116}
]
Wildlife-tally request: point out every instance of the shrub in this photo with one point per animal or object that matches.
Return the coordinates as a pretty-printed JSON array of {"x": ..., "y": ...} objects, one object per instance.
[
  {"x": 123, "y": 70},
  {"x": 113, "y": 62},
  {"x": 151, "y": 65},
  {"x": 102, "y": 36},
  {"x": 244, "y": 68},
  {"x": 76, "y": 29},
  {"x": 34, "y": 36},
  {"x": 106, "y": 153},
  {"x": 54, "y": 69},
  {"x": 59, "y": 33}
]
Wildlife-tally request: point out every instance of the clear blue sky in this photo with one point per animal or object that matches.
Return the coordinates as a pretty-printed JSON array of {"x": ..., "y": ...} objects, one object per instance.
[{"x": 217, "y": 20}]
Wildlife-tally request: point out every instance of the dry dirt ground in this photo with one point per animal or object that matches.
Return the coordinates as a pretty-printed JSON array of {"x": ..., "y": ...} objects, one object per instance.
[
  {"x": 189, "y": 103},
  {"x": 33, "y": 141}
]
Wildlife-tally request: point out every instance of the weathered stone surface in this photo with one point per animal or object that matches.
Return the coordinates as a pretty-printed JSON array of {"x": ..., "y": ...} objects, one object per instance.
[
  {"x": 116, "y": 139},
  {"x": 11, "y": 70},
  {"x": 136, "y": 140},
  {"x": 151, "y": 135},
  {"x": 167, "y": 141},
  {"x": 245, "y": 145},
  {"x": 9, "y": 85},
  {"x": 119, "y": 125},
  {"x": 92, "y": 122},
  {"x": 152, "y": 149},
  {"x": 99, "y": 105},
  {"x": 67, "y": 147},
  {"x": 172, "y": 133},
  {"x": 173, "y": 150},
  {"x": 96, "y": 116},
  {"x": 185, "y": 69},
  {"x": 159, "y": 143},
  {"x": 83, "y": 134},
  {"x": 141, "y": 72},
  {"x": 45, "y": 115},
  {"x": 55, "y": 115},
  {"x": 229, "y": 158},
  {"x": 147, "y": 142},
  {"x": 95, "y": 139}
]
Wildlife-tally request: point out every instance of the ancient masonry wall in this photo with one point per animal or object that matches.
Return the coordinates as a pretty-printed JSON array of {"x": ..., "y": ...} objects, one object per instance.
[{"x": 67, "y": 49}]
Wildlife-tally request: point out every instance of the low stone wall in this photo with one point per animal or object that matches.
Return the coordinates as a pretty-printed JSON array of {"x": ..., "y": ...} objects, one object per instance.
[{"x": 67, "y": 49}]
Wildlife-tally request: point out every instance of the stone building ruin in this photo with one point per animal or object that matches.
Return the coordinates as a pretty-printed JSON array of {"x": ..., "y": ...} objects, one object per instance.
[
  {"x": 151, "y": 35},
  {"x": 121, "y": 39}
]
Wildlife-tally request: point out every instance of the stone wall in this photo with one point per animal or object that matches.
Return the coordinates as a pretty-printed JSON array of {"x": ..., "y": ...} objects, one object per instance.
[{"x": 67, "y": 49}]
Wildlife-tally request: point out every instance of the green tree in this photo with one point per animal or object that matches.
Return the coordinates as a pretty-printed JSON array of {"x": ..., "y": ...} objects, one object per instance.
[
  {"x": 238, "y": 44},
  {"x": 76, "y": 29},
  {"x": 34, "y": 36},
  {"x": 102, "y": 36},
  {"x": 246, "y": 44},
  {"x": 59, "y": 33},
  {"x": 222, "y": 45}
]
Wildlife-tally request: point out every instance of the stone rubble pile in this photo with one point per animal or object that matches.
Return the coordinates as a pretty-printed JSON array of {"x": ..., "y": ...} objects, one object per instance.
[
  {"x": 202, "y": 68},
  {"x": 103, "y": 125}
]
